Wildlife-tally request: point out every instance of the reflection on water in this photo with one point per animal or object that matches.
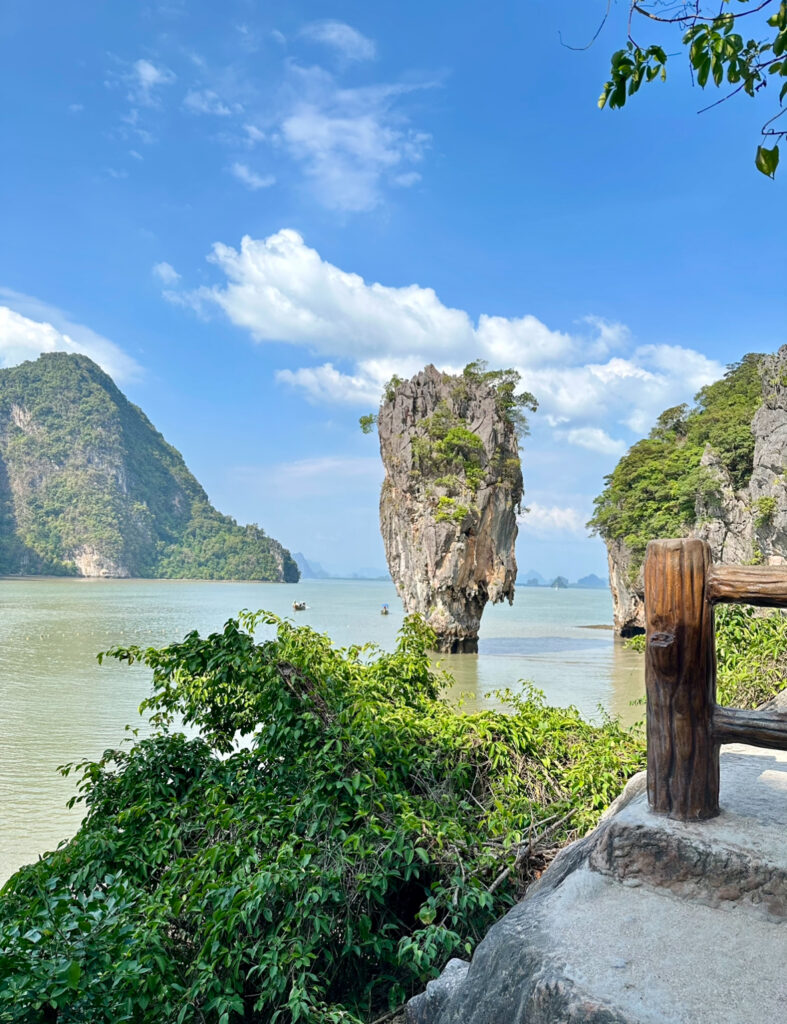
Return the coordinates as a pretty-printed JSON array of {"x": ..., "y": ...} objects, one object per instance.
[{"x": 58, "y": 705}]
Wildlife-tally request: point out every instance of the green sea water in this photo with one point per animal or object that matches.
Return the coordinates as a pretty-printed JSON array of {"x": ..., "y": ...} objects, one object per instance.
[{"x": 58, "y": 705}]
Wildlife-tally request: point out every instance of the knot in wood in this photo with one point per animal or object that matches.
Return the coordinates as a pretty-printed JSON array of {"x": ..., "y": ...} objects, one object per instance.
[{"x": 661, "y": 639}]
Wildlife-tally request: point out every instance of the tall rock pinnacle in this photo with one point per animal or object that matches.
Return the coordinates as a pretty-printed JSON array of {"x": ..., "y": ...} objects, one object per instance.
[{"x": 451, "y": 493}]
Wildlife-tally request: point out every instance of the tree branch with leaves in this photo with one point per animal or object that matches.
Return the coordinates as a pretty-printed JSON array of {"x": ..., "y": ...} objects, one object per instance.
[{"x": 719, "y": 54}]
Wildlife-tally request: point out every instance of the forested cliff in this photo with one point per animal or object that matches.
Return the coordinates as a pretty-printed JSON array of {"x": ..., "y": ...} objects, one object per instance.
[
  {"x": 716, "y": 471},
  {"x": 88, "y": 487}
]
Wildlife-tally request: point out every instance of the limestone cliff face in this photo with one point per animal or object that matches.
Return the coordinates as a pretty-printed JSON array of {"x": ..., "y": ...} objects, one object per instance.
[
  {"x": 627, "y": 589},
  {"x": 449, "y": 501},
  {"x": 744, "y": 526}
]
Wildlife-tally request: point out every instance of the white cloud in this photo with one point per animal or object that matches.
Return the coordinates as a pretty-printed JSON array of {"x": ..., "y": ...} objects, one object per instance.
[
  {"x": 75, "y": 108},
  {"x": 407, "y": 180},
  {"x": 166, "y": 273},
  {"x": 349, "y": 145},
  {"x": 349, "y": 141},
  {"x": 206, "y": 101},
  {"x": 610, "y": 335},
  {"x": 281, "y": 290},
  {"x": 595, "y": 440},
  {"x": 132, "y": 126},
  {"x": 29, "y": 327},
  {"x": 322, "y": 384},
  {"x": 544, "y": 520},
  {"x": 347, "y": 41},
  {"x": 145, "y": 79},
  {"x": 250, "y": 178},
  {"x": 254, "y": 134}
]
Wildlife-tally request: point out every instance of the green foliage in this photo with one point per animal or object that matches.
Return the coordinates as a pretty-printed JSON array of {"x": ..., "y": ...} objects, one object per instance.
[
  {"x": 367, "y": 422},
  {"x": 652, "y": 492},
  {"x": 390, "y": 388},
  {"x": 509, "y": 403},
  {"x": 449, "y": 511},
  {"x": 751, "y": 655},
  {"x": 635, "y": 643},
  {"x": 323, "y": 870},
  {"x": 764, "y": 511},
  {"x": 448, "y": 448},
  {"x": 91, "y": 471},
  {"x": 717, "y": 53}
]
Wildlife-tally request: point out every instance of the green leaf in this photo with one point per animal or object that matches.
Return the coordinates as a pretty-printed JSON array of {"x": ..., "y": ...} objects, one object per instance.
[
  {"x": 767, "y": 160},
  {"x": 73, "y": 974}
]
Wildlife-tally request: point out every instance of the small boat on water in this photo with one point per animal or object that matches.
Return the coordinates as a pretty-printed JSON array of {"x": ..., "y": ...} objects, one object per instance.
[
  {"x": 384, "y": 610},
  {"x": 299, "y": 606}
]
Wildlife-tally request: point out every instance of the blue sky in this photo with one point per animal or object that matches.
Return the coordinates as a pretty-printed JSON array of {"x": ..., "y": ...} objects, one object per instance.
[{"x": 253, "y": 213}]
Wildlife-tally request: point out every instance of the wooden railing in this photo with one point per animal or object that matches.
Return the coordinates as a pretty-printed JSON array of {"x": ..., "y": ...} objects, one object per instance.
[{"x": 685, "y": 726}]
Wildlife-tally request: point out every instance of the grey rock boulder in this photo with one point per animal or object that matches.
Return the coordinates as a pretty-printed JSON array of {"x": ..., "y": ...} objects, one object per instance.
[{"x": 645, "y": 921}]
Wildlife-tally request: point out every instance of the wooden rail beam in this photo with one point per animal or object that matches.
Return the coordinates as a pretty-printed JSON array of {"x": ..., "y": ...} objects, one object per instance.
[
  {"x": 764, "y": 585},
  {"x": 762, "y": 728},
  {"x": 680, "y": 679}
]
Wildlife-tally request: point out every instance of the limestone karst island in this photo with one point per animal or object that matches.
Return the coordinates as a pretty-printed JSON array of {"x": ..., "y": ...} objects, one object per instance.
[{"x": 476, "y": 714}]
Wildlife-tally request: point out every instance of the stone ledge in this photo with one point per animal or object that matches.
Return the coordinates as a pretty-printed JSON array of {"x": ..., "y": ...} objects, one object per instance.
[
  {"x": 645, "y": 921},
  {"x": 739, "y": 858}
]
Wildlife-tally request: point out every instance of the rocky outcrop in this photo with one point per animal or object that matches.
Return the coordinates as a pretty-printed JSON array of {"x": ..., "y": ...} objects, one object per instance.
[
  {"x": 627, "y": 590},
  {"x": 93, "y": 563},
  {"x": 744, "y": 527},
  {"x": 645, "y": 920},
  {"x": 449, "y": 500}
]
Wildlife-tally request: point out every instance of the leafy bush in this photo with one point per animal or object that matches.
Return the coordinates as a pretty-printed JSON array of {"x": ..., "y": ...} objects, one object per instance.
[
  {"x": 751, "y": 655},
  {"x": 321, "y": 872},
  {"x": 764, "y": 511},
  {"x": 449, "y": 511},
  {"x": 510, "y": 403}
]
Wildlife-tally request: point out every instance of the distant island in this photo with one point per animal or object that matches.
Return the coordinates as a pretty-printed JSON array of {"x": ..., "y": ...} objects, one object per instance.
[
  {"x": 532, "y": 578},
  {"x": 89, "y": 487},
  {"x": 311, "y": 570}
]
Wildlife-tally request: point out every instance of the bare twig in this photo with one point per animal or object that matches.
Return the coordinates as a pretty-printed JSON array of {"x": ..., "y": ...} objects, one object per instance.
[
  {"x": 526, "y": 849},
  {"x": 388, "y": 1016},
  {"x": 304, "y": 688},
  {"x": 596, "y": 34},
  {"x": 694, "y": 16}
]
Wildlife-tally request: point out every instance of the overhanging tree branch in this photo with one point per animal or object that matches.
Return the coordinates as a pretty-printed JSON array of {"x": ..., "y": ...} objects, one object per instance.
[{"x": 717, "y": 55}]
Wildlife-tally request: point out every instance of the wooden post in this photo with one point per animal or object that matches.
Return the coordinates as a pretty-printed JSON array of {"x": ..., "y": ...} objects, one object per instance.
[{"x": 680, "y": 678}]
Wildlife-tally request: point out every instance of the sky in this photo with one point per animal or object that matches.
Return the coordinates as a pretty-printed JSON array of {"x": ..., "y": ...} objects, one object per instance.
[{"x": 252, "y": 214}]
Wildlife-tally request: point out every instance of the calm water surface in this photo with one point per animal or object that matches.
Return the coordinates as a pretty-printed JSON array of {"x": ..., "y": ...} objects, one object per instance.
[{"x": 58, "y": 705}]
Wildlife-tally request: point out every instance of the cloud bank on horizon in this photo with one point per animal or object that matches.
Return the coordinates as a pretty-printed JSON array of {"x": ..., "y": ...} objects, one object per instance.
[{"x": 595, "y": 386}]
